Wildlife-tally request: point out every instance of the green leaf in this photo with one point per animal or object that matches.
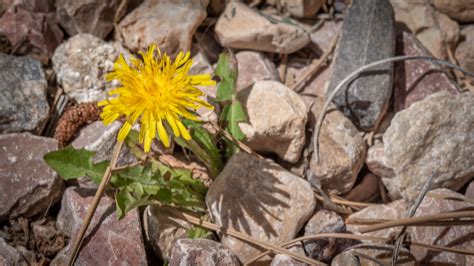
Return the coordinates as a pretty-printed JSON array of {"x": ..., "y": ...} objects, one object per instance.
[
  {"x": 234, "y": 114},
  {"x": 227, "y": 70},
  {"x": 71, "y": 163},
  {"x": 197, "y": 232}
]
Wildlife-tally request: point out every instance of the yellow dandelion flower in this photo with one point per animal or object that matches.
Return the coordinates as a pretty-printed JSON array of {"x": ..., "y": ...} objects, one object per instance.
[{"x": 154, "y": 90}]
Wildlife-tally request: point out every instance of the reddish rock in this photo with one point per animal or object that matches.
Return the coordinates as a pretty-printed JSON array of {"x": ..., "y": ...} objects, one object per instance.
[
  {"x": 460, "y": 10},
  {"x": 28, "y": 185},
  {"x": 366, "y": 191},
  {"x": 377, "y": 162},
  {"x": 253, "y": 67},
  {"x": 285, "y": 260},
  {"x": 10, "y": 256},
  {"x": 119, "y": 241},
  {"x": 201, "y": 252},
  {"x": 31, "y": 30},
  {"x": 460, "y": 237},
  {"x": 465, "y": 49},
  {"x": 416, "y": 79}
]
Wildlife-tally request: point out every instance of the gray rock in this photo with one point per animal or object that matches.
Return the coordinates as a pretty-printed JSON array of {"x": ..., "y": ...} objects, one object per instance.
[
  {"x": 276, "y": 119},
  {"x": 382, "y": 252},
  {"x": 23, "y": 104},
  {"x": 119, "y": 241},
  {"x": 285, "y": 260},
  {"x": 392, "y": 211},
  {"x": 274, "y": 207},
  {"x": 10, "y": 256},
  {"x": 432, "y": 137},
  {"x": 435, "y": 30},
  {"x": 376, "y": 161},
  {"x": 341, "y": 152},
  {"x": 299, "y": 8},
  {"x": 470, "y": 190},
  {"x": 29, "y": 186},
  {"x": 253, "y": 67},
  {"x": 345, "y": 259},
  {"x": 464, "y": 50},
  {"x": 80, "y": 64},
  {"x": 453, "y": 236},
  {"x": 324, "y": 221},
  {"x": 367, "y": 35},
  {"x": 87, "y": 16},
  {"x": 163, "y": 229},
  {"x": 416, "y": 79},
  {"x": 242, "y": 27},
  {"x": 170, "y": 24},
  {"x": 322, "y": 38},
  {"x": 460, "y": 10},
  {"x": 201, "y": 252}
]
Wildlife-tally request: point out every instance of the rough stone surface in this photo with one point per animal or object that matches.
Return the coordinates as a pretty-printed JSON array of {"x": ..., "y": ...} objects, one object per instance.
[
  {"x": 470, "y": 190},
  {"x": 285, "y": 260},
  {"x": 201, "y": 252},
  {"x": 432, "y": 137},
  {"x": 376, "y": 161},
  {"x": 119, "y": 241},
  {"x": 30, "y": 28},
  {"x": 367, "y": 35},
  {"x": 23, "y": 104},
  {"x": 253, "y": 67},
  {"x": 80, "y": 64},
  {"x": 435, "y": 30},
  {"x": 322, "y": 38},
  {"x": 367, "y": 190},
  {"x": 416, "y": 79},
  {"x": 345, "y": 259},
  {"x": 465, "y": 50},
  {"x": 163, "y": 229},
  {"x": 276, "y": 119},
  {"x": 316, "y": 88},
  {"x": 29, "y": 186},
  {"x": 460, "y": 10},
  {"x": 392, "y": 211},
  {"x": 324, "y": 221},
  {"x": 299, "y": 8},
  {"x": 10, "y": 256},
  {"x": 87, "y": 16},
  {"x": 274, "y": 207},
  {"x": 381, "y": 252},
  {"x": 341, "y": 152},
  {"x": 460, "y": 237},
  {"x": 170, "y": 24},
  {"x": 242, "y": 27}
]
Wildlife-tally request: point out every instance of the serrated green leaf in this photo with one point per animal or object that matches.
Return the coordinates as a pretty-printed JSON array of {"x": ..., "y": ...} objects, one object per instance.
[
  {"x": 227, "y": 71},
  {"x": 72, "y": 163}
]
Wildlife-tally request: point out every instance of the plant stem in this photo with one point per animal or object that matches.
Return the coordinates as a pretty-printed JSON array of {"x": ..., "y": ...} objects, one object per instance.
[{"x": 98, "y": 195}]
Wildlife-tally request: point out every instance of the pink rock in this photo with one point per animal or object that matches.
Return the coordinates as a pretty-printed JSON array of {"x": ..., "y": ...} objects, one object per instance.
[
  {"x": 201, "y": 252},
  {"x": 416, "y": 79},
  {"x": 28, "y": 186},
  {"x": 108, "y": 241},
  {"x": 470, "y": 190},
  {"x": 447, "y": 236},
  {"x": 377, "y": 162},
  {"x": 253, "y": 67}
]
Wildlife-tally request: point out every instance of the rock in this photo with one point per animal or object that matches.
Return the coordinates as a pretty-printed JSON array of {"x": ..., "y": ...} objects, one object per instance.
[
  {"x": 416, "y": 79},
  {"x": 30, "y": 28},
  {"x": 322, "y": 38},
  {"x": 381, "y": 252},
  {"x": 80, "y": 64},
  {"x": 88, "y": 16},
  {"x": 201, "y": 252},
  {"x": 119, "y": 241},
  {"x": 29, "y": 186},
  {"x": 285, "y": 260},
  {"x": 367, "y": 190},
  {"x": 367, "y": 24},
  {"x": 170, "y": 24},
  {"x": 316, "y": 88},
  {"x": 101, "y": 139},
  {"x": 470, "y": 190},
  {"x": 207, "y": 43},
  {"x": 459, "y": 237},
  {"x": 345, "y": 259},
  {"x": 461, "y": 10},
  {"x": 274, "y": 207},
  {"x": 10, "y": 256},
  {"x": 392, "y": 211},
  {"x": 376, "y": 161},
  {"x": 432, "y": 137},
  {"x": 163, "y": 229},
  {"x": 299, "y": 8},
  {"x": 242, "y": 27},
  {"x": 324, "y": 221},
  {"x": 436, "y": 31},
  {"x": 253, "y": 67},
  {"x": 23, "y": 103},
  {"x": 276, "y": 119},
  {"x": 464, "y": 50},
  {"x": 341, "y": 152}
]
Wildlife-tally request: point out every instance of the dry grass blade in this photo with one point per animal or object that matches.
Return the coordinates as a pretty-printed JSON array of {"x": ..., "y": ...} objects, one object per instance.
[{"x": 365, "y": 68}]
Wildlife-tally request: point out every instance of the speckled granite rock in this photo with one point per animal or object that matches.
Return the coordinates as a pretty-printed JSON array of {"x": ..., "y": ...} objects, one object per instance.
[
  {"x": 201, "y": 252},
  {"x": 23, "y": 104},
  {"x": 28, "y": 185}
]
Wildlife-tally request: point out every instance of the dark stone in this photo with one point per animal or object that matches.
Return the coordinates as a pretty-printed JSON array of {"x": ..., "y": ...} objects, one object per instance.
[
  {"x": 201, "y": 252},
  {"x": 23, "y": 105},
  {"x": 367, "y": 35},
  {"x": 416, "y": 79}
]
